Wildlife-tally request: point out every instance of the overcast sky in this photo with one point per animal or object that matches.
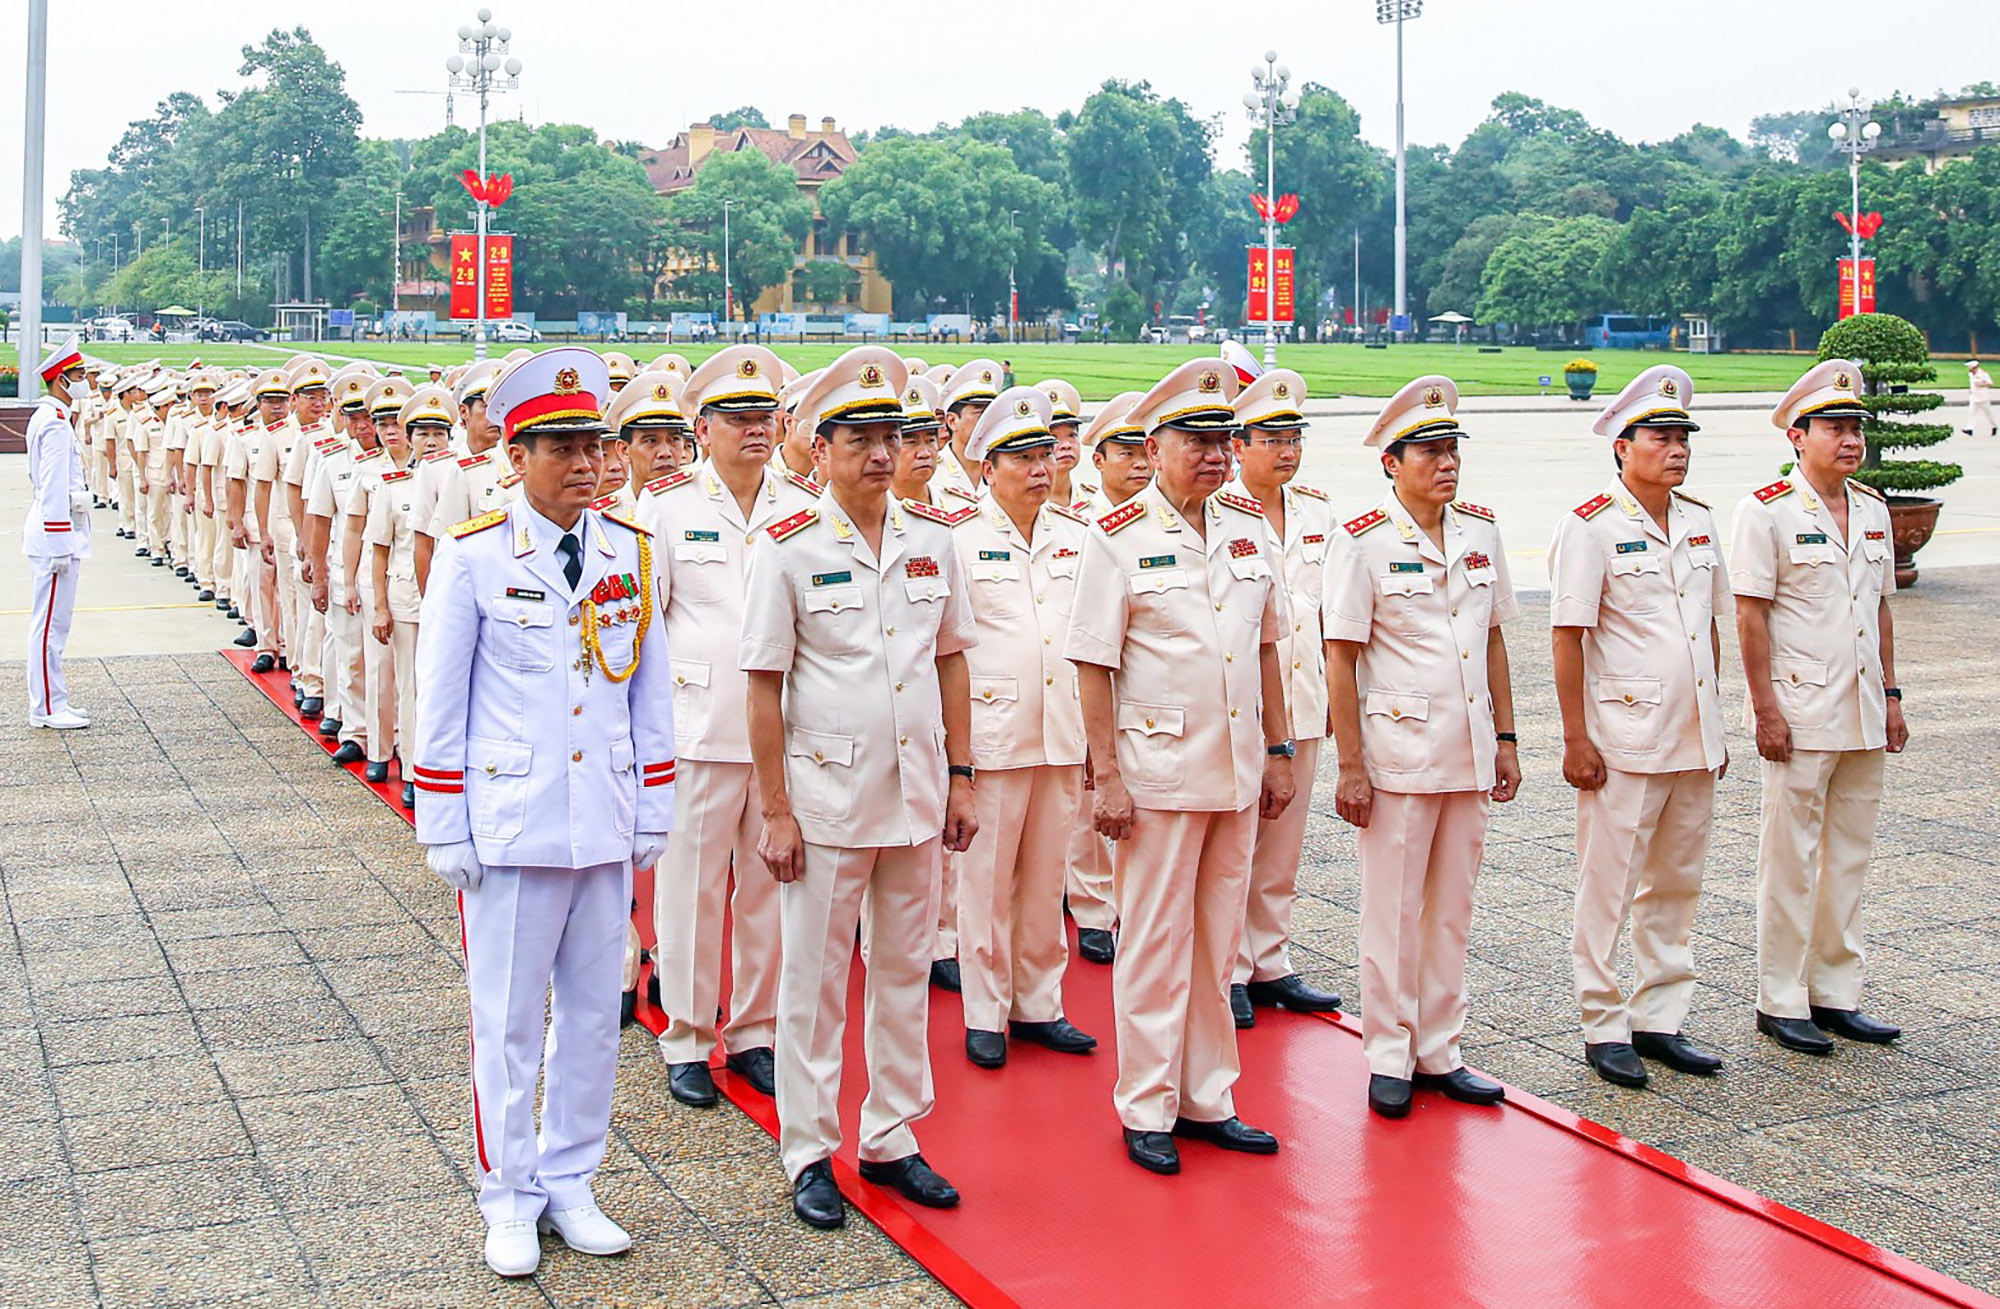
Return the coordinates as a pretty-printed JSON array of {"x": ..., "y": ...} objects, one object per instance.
[{"x": 1644, "y": 70}]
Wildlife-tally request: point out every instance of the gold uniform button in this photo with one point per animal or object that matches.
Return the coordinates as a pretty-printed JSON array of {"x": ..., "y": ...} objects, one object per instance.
[
  {"x": 489, "y": 770},
  {"x": 1229, "y": 658},
  {"x": 1454, "y": 612},
  {"x": 899, "y": 686},
  {"x": 1038, "y": 599},
  {"x": 1795, "y": 677},
  {"x": 1048, "y": 681},
  {"x": 892, "y": 631},
  {"x": 1628, "y": 699},
  {"x": 1232, "y": 713},
  {"x": 1297, "y": 664},
  {"x": 575, "y": 711},
  {"x": 576, "y": 757},
  {"x": 679, "y": 680},
  {"x": 1218, "y": 606},
  {"x": 1395, "y": 713},
  {"x": 987, "y": 694},
  {"x": 1465, "y": 654},
  {"x": 902, "y": 740},
  {"x": 1701, "y": 681},
  {"x": 1149, "y": 722},
  {"x": 574, "y": 619}
]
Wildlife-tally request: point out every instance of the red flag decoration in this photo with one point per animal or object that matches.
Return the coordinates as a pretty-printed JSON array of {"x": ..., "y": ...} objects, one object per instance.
[
  {"x": 1283, "y": 211},
  {"x": 494, "y": 191},
  {"x": 465, "y": 276},
  {"x": 1857, "y": 296},
  {"x": 1871, "y": 223},
  {"x": 1282, "y": 293}
]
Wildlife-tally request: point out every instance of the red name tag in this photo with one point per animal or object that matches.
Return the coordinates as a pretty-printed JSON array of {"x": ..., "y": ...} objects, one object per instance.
[{"x": 921, "y": 566}]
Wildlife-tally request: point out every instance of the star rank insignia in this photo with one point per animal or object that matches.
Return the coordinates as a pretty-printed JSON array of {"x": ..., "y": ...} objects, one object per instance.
[
  {"x": 1775, "y": 491},
  {"x": 1374, "y": 518}
]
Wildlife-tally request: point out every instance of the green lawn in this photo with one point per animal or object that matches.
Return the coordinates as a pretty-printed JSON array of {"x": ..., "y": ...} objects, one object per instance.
[{"x": 1101, "y": 371}]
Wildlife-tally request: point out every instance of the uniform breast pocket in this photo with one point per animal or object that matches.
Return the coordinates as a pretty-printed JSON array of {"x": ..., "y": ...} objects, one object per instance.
[
  {"x": 1149, "y": 743},
  {"x": 701, "y": 570},
  {"x": 692, "y": 701},
  {"x": 1817, "y": 570},
  {"x": 1159, "y": 599},
  {"x": 1636, "y": 583},
  {"x": 996, "y": 590},
  {"x": 496, "y": 786},
  {"x": 821, "y": 774},
  {"x": 1394, "y": 737},
  {"x": 523, "y": 634},
  {"x": 995, "y": 705},
  {"x": 927, "y": 596},
  {"x": 1250, "y": 587},
  {"x": 1400, "y": 599},
  {"x": 1879, "y": 557},
  {"x": 1628, "y": 710},
  {"x": 835, "y": 619}
]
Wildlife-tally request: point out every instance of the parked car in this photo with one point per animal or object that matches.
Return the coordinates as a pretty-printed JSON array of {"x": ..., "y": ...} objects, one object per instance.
[
  {"x": 231, "y": 329},
  {"x": 112, "y": 329},
  {"x": 508, "y": 331}
]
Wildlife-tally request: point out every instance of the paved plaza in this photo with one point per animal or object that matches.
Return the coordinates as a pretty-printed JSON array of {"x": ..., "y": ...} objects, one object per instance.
[{"x": 232, "y": 1028}]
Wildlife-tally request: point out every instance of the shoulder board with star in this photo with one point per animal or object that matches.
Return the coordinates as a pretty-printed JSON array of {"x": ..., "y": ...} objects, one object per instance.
[
  {"x": 624, "y": 522},
  {"x": 660, "y": 485},
  {"x": 1121, "y": 518},
  {"x": 1775, "y": 491},
  {"x": 604, "y": 502},
  {"x": 805, "y": 484},
  {"x": 962, "y": 493},
  {"x": 492, "y": 518},
  {"x": 1367, "y": 522},
  {"x": 931, "y": 513},
  {"x": 1312, "y": 491},
  {"x": 473, "y": 461},
  {"x": 1477, "y": 511},
  {"x": 436, "y": 455},
  {"x": 510, "y": 481},
  {"x": 1866, "y": 489},
  {"x": 398, "y": 475},
  {"x": 792, "y": 526},
  {"x": 1242, "y": 504},
  {"x": 377, "y": 453},
  {"x": 1070, "y": 512},
  {"x": 1592, "y": 507},
  {"x": 328, "y": 444},
  {"x": 1693, "y": 500}
]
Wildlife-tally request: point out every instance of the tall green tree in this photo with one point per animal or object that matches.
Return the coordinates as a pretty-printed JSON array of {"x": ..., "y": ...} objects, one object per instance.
[
  {"x": 1547, "y": 274},
  {"x": 1137, "y": 163},
  {"x": 1338, "y": 177},
  {"x": 768, "y": 218}
]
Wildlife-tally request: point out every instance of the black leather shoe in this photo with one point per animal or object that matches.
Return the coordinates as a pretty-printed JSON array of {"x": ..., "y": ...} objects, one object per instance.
[
  {"x": 350, "y": 753},
  {"x": 816, "y": 1197},
  {"x": 409, "y": 795},
  {"x": 1800, "y": 1034},
  {"x": 284, "y": 664},
  {"x": 298, "y": 696},
  {"x": 206, "y": 595},
  {"x": 628, "y": 1008},
  {"x": 756, "y": 1066},
  {"x": 329, "y": 728},
  {"x": 222, "y": 606},
  {"x": 180, "y": 572},
  {"x": 1676, "y": 1052},
  {"x": 944, "y": 975},
  {"x": 313, "y": 706},
  {"x": 1463, "y": 1085},
  {"x": 913, "y": 1179},
  {"x": 1096, "y": 945},
  {"x": 1292, "y": 992},
  {"x": 263, "y": 663},
  {"x": 247, "y": 638},
  {"x": 1239, "y": 1006},
  {"x": 237, "y": 614},
  {"x": 1389, "y": 1096},
  {"x": 1061, "y": 1036},
  {"x": 376, "y": 772},
  {"x": 986, "y": 1049},
  {"x": 159, "y": 561},
  {"x": 1854, "y": 1025},
  {"x": 1153, "y": 1151},
  {"x": 692, "y": 1083},
  {"x": 1229, "y": 1134},
  {"x": 1615, "y": 1062},
  {"x": 142, "y": 552}
]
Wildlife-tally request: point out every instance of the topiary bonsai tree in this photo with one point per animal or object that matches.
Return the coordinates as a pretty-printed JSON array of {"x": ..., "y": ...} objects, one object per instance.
[{"x": 1893, "y": 355}]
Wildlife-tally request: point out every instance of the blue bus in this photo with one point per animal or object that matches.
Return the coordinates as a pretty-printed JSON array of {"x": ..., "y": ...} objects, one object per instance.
[{"x": 1627, "y": 332}]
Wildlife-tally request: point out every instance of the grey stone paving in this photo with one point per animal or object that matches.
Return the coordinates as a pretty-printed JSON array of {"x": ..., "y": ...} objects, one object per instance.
[{"x": 232, "y": 1047}]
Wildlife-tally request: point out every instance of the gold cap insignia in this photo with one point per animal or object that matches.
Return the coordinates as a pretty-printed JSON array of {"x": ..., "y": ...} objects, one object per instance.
[
  {"x": 1282, "y": 389},
  {"x": 1669, "y": 388},
  {"x": 1842, "y": 382},
  {"x": 1022, "y": 409},
  {"x": 663, "y": 392},
  {"x": 1209, "y": 383},
  {"x": 1434, "y": 398},
  {"x": 913, "y": 398},
  {"x": 871, "y": 375},
  {"x": 986, "y": 375},
  {"x": 567, "y": 382},
  {"x": 748, "y": 368}
]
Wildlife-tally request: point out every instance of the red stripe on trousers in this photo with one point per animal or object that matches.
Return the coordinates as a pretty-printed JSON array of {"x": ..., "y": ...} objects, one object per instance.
[
  {"x": 471, "y": 1049},
  {"x": 48, "y": 621}
]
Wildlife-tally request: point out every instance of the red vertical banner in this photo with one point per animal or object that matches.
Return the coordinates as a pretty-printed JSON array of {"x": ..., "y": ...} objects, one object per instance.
[
  {"x": 1261, "y": 285},
  {"x": 1857, "y": 296},
  {"x": 499, "y": 276},
  {"x": 464, "y": 276}
]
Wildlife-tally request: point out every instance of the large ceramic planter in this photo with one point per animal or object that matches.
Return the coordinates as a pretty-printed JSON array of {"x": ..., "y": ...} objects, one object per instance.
[
  {"x": 1912, "y": 519},
  {"x": 1580, "y": 385}
]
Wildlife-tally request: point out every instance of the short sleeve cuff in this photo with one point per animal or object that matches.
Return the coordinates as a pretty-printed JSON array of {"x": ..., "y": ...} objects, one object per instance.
[
  {"x": 1085, "y": 648},
  {"x": 1353, "y": 630},
  {"x": 763, "y": 657}
]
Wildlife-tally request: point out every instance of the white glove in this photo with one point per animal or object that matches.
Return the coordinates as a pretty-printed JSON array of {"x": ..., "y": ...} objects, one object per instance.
[
  {"x": 59, "y": 565},
  {"x": 457, "y": 863},
  {"x": 79, "y": 502},
  {"x": 647, "y": 847}
]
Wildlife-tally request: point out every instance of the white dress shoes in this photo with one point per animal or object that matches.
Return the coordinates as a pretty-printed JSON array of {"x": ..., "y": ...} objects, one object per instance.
[
  {"x": 513, "y": 1249},
  {"x": 64, "y": 720},
  {"x": 586, "y": 1230}
]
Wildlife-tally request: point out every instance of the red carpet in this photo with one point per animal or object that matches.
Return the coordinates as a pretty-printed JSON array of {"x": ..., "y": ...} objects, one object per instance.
[{"x": 1523, "y": 1204}]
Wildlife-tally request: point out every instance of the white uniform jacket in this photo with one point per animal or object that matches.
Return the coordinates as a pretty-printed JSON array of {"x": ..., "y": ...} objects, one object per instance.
[{"x": 58, "y": 523}]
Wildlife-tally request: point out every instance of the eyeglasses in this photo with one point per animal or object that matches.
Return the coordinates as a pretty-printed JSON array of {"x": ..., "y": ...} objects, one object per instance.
[{"x": 1280, "y": 442}]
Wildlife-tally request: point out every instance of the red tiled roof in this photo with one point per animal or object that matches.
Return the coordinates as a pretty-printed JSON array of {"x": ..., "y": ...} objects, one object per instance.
[{"x": 818, "y": 157}]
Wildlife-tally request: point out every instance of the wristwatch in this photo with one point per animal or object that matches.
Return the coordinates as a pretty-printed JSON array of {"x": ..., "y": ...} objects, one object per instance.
[
  {"x": 1283, "y": 750},
  {"x": 961, "y": 770},
  {"x": 1893, "y": 692}
]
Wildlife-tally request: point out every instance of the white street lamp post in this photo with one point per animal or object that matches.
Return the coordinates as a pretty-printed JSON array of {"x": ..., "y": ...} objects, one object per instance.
[
  {"x": 1400, "y": 12},
  {"x": 1272, "y": 103},
  {"x": 728, "y": 295},
  {"x": 1854, "y": 134},
  {"x": 487, "y": 46},
  {"x": 201, "y": 268},
  {"x": 34, "y": 144},
  {"x": 1012, "y": 296}
]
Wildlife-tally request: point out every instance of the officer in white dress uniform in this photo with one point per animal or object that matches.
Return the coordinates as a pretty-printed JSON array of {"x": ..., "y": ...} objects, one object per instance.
[
  {"x": 706, "y": 520},
  {"x": 544, "y": 767},
  {"x": 55, "y": 537},
  {"x": 1813, "y": 555},
  {"x": 1636, "y": 570},
  {"x": 854, "y": 631},
  {"x": 1423, "y": 723}
]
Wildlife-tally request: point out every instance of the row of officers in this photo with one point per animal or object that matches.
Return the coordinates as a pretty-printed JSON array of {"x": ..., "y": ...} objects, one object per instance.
[{"x": 872, "y": 650}]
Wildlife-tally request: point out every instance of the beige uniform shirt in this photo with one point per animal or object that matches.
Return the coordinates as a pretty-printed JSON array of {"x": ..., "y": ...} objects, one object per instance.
[
  {"x": 392, "y": 523},
  {"x": 1309, "y": 529},
  {"x": 701, "y": 550},
  {"x": 1646, "y": 599},
  {"x": 149, "y": 442},
  {"x": 1825, "y": 594},
  {"x": 1422, "y": 617},
  {"x": 951, "y": 476},
  {"x": 470, "y": 487},
  {"x": 328, "y": 496},
  {"x": 858, "y": 640},
  {"x": 1179, "y": 619},
  {"x": 431, "y": 476},
  {"x": 274, "y": 448},
  {"x": 1025, "y": 710}
]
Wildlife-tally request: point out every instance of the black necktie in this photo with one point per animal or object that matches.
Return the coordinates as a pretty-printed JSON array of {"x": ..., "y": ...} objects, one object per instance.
[{"x": 572, "y": 555}]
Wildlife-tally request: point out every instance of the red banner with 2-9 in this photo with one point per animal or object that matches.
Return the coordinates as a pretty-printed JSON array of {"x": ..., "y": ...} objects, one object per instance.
[
  {"x": 1260, "y": 287},
  {"x": 465, "y": 276}
]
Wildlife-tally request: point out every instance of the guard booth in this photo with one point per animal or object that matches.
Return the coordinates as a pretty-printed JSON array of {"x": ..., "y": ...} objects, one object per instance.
[
  {"x": 300, "y": 320},
  {"x": 1696, "y": 334}
]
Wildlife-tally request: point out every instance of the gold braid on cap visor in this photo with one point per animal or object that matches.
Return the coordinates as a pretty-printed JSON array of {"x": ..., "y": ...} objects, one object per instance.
[{"x": 593, "y": 647}]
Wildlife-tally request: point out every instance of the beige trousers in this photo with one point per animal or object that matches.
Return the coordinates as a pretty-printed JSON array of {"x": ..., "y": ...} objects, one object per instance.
[
  {"x": 342, "y": 670},
  {"x": 1419, "y": 858},
  {"x": 1266, "y": 954},
  {"x": 403, "y": 667},
  {"x": 221, "y": 557},
  {"x": 946, "y": 945},
  {"x": 1641, "y": 841},
  {"x": 1012, "y": 948},
  {"x": 1087, "y": 877},
  {"x": 1812, "y": 856},
  {"x": 178, "y": 540},
  {"x": 1180, "y": 879},
  {"x": 378, "y": 682},
  {"x": 308, "y": 638},
  {"x": 128, "y": 499},
  {"x": 716, "y": 825},
  {"x": 96, "y": 467},
  {"x": 272, "y": 600},
  {"x": 159, "y": 511},
  {"x": 201, "y": 559},
  {"x": 897, "y": 886}
]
